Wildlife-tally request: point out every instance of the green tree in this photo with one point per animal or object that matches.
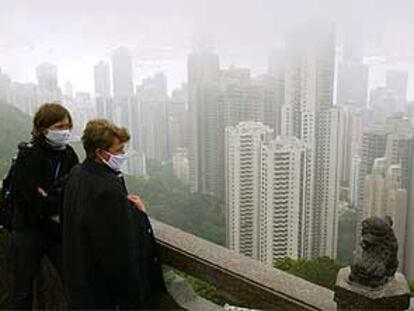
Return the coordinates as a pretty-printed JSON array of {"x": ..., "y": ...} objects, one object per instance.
[
  {"x": 15, "y": 127},
  {"x": 171, "y": 201},
  {"x": 346, "y": 237},
  {"x": 321, "y": 271}
]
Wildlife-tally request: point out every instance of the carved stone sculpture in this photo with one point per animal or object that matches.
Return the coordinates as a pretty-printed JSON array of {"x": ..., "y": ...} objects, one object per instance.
[{"x": 377, "y": 261}]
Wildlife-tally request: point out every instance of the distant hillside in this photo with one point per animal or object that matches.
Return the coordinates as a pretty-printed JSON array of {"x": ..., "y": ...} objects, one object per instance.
[{"x": 15, "y": 126}]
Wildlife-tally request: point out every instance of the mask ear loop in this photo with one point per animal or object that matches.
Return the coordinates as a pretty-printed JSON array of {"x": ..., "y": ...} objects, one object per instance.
[{"x": 101, "y": 157}]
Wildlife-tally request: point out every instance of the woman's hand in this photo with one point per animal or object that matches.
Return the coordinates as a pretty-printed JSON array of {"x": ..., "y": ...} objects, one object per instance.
[
  {"x": 137, "y": 202},
  {"x": 42, "y": 192}
]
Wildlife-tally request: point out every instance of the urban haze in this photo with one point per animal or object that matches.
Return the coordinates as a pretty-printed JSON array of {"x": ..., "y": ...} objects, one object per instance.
[{"x": 294, "y": 119}]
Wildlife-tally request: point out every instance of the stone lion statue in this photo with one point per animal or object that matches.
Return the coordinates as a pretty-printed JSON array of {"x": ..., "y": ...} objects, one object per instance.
[{"x": 377, "y": 261}]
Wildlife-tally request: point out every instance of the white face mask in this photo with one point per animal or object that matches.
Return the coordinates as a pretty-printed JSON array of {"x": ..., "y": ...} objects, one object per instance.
[
  {"x": 58, "y": 139},
  {"x": 116, "y": 161}
]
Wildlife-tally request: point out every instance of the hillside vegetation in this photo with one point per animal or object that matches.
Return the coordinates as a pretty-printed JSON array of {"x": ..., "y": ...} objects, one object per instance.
[{"x": 15, "y": 126}]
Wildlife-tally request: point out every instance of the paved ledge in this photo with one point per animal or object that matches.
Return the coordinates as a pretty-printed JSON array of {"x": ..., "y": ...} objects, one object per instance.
[{"x": 258, "y": 286}]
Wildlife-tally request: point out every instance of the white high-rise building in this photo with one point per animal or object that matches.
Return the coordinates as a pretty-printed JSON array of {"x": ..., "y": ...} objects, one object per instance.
[
  {"x": 285, "y": 200},
  {"x": 268, "y": 193},
  {"x": 327, "y": 172},
  {"x": 242, "y": 170}
]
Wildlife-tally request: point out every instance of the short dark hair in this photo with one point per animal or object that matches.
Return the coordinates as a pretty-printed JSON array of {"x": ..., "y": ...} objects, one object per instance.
[
  {"x": 100, "y": 134},
  {"x": 47, "y": 115}
]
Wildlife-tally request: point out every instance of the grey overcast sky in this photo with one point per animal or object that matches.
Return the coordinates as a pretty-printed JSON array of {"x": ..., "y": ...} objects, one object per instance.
[{"x": 76, "y": 34}]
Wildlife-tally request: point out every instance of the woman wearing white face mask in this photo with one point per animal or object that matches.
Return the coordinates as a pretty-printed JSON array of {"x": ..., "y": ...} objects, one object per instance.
[
  {"x": 40, "y": 172},
  {"x": 109, "y": 253}
]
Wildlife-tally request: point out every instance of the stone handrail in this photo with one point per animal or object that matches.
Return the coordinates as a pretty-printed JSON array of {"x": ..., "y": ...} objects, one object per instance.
[{"x": 256, "y": 285}]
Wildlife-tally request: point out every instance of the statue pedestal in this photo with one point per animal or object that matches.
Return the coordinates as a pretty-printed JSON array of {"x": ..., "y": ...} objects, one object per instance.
[{"x": 395, "y": 295}]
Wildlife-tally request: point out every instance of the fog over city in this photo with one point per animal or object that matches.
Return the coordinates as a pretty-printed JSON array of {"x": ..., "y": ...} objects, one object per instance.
[
  {"x": 281, "y": 130},
  {"x": 77, "y": 34}
]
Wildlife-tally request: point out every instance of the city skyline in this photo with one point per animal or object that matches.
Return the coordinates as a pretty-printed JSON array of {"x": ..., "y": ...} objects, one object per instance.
[
  {"x": 76, "y": 35},
  {"x": 313, "y": 96}
]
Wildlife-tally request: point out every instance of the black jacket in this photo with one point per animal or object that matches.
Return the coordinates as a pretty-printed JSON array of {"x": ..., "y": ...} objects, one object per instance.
[
  {"x": 109, "y": 251},
  {"x": 39, "y": 165}
]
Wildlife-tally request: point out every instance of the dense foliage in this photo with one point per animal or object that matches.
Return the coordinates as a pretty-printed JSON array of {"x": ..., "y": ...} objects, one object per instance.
[
  {"x": 346, "y": 237},
  {"x": 321, "y": 271},
  {"x": 15, "y": 127},
  {"x": 170, "y": 201}
]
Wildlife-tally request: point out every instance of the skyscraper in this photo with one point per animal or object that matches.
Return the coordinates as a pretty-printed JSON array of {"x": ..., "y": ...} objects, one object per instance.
[
  {"x": 393, "y": 141},
  {"x": 122, "y": 75},
  {"x": 397, "y": 81},
  {"x": 285, "y": 200},
  {"x": 152, "y": 127},
  {"x": 243, "y": 167},
  {"x": 178, "y": 119},
  {"x": 384, "y": 103},
  {"x": 353, "y": 74},
  {"x": 386, "y": 197},
  {"x": 352, "y": 140},
  {"x": 272, "y": 90},
  {"x": 205, "y": 120},
  {"x": 125, "y": 107},
  {"x": 352, "y": 85},
  {"x": 102, "y": 83},
  {"x": 47, "y": 82},
  {"x": 373, "y": 144},
  {"x": 268, "y": 193},
  {"x": 308, "y": 115}
]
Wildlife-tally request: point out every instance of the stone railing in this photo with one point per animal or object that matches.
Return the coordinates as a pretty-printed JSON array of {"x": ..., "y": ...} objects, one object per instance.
[
  {"x": 252, "y": 283},
  {"x": 247, "y": 281}
]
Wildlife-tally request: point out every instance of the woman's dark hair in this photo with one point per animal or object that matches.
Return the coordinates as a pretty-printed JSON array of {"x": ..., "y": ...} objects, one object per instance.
[{"x": 47, "y": 115}]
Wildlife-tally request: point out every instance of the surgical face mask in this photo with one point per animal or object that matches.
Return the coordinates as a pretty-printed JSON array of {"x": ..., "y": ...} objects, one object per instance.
[
  {"x": 116, "y": 161},
  {"x": 58, "y": 139}
]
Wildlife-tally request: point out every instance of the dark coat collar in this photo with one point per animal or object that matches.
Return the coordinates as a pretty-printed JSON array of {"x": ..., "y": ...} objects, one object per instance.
[
  {"x": 99, "y": 168},
  {"x": 41, "y": 143}
]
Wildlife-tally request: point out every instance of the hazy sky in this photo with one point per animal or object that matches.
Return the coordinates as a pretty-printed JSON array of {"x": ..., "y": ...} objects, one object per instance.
[{"x": 76, "y": 34}]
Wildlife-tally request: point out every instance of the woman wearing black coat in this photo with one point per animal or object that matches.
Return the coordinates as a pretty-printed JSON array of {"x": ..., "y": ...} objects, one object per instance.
[
  {"x": 110, "y": 257},
  {"x": 40, "y": 170}
]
